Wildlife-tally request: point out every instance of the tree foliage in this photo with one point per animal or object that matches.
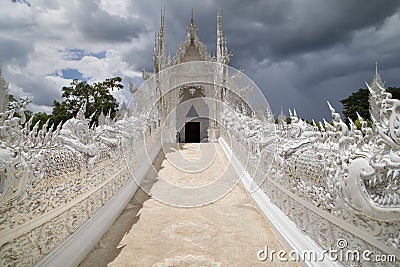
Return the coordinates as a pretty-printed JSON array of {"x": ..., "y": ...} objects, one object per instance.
[
  {"x": 40, "y": 117},
  {"x": 358, "y": 102},
  {"x": 395, "y": 91},
  {"x": 97, "y": 96}
]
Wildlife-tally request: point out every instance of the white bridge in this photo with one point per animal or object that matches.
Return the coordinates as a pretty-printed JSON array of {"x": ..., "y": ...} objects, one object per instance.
[{"x": 223, "y": 179}]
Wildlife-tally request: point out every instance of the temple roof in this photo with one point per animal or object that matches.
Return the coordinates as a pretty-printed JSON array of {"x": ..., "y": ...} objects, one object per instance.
[{"x": 191, "y": 49}]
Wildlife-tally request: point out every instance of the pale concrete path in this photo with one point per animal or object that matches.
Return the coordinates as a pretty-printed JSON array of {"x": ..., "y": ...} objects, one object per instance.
[{"x": 226, "y": 232}]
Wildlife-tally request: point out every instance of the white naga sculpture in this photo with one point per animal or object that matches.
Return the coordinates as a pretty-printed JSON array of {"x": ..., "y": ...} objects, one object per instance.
[{"x": 349, "y": 178}]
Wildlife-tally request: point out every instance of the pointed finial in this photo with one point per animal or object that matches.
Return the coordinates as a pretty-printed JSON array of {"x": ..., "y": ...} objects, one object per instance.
[
  {"x": 221, "y": 41},
  {"x": 219, "y": 23},
  {"x": 161, "y": 35},
  {"x": 376, "y": 68},
  {"x": 162, "y": 16},
  {"x": 191, "y": 28}
]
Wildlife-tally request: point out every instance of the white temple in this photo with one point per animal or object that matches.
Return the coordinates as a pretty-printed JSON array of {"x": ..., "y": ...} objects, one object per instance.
[
  {"x": 222, "y": 179},
  {"x": 194, "y": 119}
]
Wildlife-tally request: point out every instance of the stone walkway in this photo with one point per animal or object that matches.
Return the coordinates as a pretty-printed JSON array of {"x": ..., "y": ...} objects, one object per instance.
[{"x": 227, "y": 231}]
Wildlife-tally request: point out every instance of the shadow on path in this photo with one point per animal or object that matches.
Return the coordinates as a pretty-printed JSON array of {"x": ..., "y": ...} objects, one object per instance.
[{"x": 108, "y": 248}]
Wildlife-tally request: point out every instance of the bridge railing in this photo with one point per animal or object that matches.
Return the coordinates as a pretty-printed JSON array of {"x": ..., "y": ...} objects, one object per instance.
[
  {"x": 333, "y": 181},
  {"x": 54, "y": 180}
]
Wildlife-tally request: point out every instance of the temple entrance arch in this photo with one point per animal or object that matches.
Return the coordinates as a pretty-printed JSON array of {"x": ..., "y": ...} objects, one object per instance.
[
  {"x": 192, "y": 114},
  {"x": 192, "y": 132}
]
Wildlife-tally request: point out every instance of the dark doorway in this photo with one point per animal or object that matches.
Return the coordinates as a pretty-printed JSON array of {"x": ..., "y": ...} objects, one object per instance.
[{"x": 192, "y": 132}]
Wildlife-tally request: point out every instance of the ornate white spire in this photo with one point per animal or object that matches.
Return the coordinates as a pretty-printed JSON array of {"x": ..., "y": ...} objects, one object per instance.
[
  {"x": 161, "y": 36},
  {"x": 220, "y": 37},
  {"x": 155, "y": 54},
  {"x": 3, "y": 91},
  {"x": 377, "y": 78},
  {"x": 155, "y": 43},
  {"x": 192, "y": 28},
  {"x": 222, "y": 51},
  {"x": 374, "y": 85},
  {"x": 159, "y": 53}
]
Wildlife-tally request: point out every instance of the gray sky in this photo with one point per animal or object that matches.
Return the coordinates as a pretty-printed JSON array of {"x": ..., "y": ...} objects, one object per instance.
[{"x": 300, "y": 53}]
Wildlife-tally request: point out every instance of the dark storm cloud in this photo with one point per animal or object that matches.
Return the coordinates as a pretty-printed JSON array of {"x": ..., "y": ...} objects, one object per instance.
[
  {"x": 300, "y": 53},
  {"x": 98, "y": 25},
  {"x": 279, "y": 30},
  {"x": 14, "y": 51},
  {"x": 319, "y": 25}
]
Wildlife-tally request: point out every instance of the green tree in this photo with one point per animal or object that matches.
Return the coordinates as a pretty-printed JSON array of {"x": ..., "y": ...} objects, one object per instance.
[
  {"x": 97, "y": 97},
  {"x": 395, "y": 91},
  {"x": 358, "y": 102},
  {"x": 42, "y": 117}
]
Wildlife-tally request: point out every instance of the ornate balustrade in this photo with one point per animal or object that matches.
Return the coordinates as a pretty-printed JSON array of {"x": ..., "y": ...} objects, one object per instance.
[
  {"x": 333, "y": 181},
  {"x": 54, "y": 181}
]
